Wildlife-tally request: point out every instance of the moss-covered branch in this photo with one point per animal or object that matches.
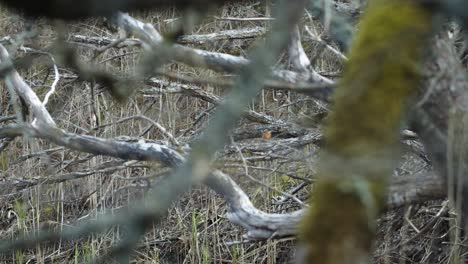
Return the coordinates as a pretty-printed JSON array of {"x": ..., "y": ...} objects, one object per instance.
[{"x": 361, "y": 134}]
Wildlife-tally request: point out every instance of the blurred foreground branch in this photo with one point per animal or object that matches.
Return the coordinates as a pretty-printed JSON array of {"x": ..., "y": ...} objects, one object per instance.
[{"x": 195, "y": 169}]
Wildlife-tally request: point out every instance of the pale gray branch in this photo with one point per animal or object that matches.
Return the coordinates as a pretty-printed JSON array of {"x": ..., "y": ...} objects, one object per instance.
[
  {"x": 14, "y": 80},
  {"x": 297, "y": 56}
]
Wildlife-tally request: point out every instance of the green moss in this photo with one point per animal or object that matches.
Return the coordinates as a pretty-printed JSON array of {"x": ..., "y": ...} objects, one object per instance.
[
  {"x": 361, "y": 134},
  {"x": 382, "y": 71},
  {"x": 340, "y": 225},
  {"x": 334, "y": 235}
]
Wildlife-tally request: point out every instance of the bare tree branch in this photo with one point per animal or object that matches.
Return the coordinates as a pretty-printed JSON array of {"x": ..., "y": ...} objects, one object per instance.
[
  {"x": 197, "y": 166},
  {"x": 14, "y": 80},
  {"x": 206, "y": 59}
]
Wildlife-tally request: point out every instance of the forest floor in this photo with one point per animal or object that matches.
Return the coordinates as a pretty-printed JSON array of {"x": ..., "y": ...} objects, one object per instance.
[{"x": 196, "y": 229}]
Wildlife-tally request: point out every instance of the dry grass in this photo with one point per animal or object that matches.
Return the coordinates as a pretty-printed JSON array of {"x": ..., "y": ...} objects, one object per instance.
[{"x": 195, "y": 230}]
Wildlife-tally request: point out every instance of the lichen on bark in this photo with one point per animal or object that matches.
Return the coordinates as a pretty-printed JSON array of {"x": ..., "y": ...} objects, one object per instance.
[{"x": 361, "y": 134}]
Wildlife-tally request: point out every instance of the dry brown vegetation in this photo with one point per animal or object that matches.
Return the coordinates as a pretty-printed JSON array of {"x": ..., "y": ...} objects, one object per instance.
[{"x": 196, "y": 230}]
